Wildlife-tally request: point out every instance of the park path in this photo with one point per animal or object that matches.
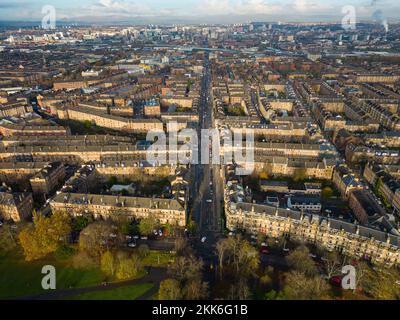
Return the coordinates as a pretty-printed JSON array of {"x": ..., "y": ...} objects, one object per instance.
[{"x": 154, "y": 276}]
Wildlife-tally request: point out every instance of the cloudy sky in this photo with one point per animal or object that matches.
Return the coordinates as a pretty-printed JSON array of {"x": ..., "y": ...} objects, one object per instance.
[{"x": 194, "y": 10}]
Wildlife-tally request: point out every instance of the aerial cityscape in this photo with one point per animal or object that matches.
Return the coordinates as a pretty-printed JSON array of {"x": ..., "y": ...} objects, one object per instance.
[{"x": 200, "y": 150}]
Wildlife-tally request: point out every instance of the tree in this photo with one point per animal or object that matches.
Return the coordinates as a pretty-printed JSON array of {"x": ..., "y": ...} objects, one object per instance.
[
  {"x": 143, "y": 250},
  {"x": 128, "y": 268},
  {"x": 247, "y": 260},
  {"x": 191, "y": 226},
  {"x": 171, "y": 229},
  {"x": 238, "y": 255},
  {"x": 239, "y": 290},
  {"x": 300, "y": 261},
  {"x": 8, "y": 238},
  {"x": 327, "y": 192},
  {"x": 362, "y": 272},
  {"x": 221, "y": 248},
  {"x": 332, "y": 264},
  {"x": 267, "y": 277},
  {"x": 273, "y": 295},
  {"x": 170, "y": 290},
  {"x": 182, "y": 247},
  {"x": 382, "y": 284},
  {"x": 298, "y": 286},
  {"x": 79, "y": 223},
  {"x": 196, "y": 289},
  {"x": 113, "y": 180},
  {"x": 128, "y": 228},
  {"x": 45, "y": 235},
  {"x": 147, "y": 225},
  {"x": 107, "y": 263},
  {"x": 87, "y": 124},
  {"x": 266, "y": 172},
  {"x": 82, "y": 260},
  {"x": 98, "y": 237},
  {"x": 299, "y": 174},
  {"x": 186, "y": 268},
  {"x": 31, "y": 245}
]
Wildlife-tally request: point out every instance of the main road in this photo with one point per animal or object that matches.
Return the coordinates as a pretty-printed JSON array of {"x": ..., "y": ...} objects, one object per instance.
[{"x": 207, "y": 185}]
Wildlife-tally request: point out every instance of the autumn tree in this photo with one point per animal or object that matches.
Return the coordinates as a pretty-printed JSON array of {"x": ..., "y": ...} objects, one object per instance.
[
  {"x": 299, "y": 286},
  {"x": 108, "y": 263},
  {"x": 45, "y": 235},
  {"x": 170, "y": 290},
  {"x": 128, "y": 268},
  {"x": 99, "y": 237},
  {"x": 147, "y": 225},
  {"x": 299, "y": 174},
  {"x": 383, "y": 284},
  {"x": 327, "y": 192},
  {"x": 300, "y": 260}
]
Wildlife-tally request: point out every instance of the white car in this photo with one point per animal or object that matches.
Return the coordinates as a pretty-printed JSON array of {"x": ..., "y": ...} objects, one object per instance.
[
  {"x": 203, "y": 239},
  {"x": 132, "y": 244},
  {"x": 209, "y": 200}
]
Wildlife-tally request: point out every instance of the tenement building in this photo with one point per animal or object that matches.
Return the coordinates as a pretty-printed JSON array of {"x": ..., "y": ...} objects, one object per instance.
[
  {"x": 347, "y": 238},
  {"x": 15, "y": 206},
  {"x": 166, "y": 211}
]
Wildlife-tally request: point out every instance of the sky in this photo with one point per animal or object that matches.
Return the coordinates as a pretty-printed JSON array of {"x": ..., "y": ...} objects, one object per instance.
[{"x": 207, "y": 11}]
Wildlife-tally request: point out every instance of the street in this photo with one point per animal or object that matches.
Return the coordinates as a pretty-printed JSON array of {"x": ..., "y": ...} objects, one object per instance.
[{"x": 208, "y": 188}]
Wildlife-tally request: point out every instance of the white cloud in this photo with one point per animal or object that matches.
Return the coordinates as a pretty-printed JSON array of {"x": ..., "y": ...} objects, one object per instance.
[
  {"x": 249, "y": 7},
  {"x": 237, "y": 7},
  {"x": 120, "y": 7},
  {"x": 307, "y": 6}
]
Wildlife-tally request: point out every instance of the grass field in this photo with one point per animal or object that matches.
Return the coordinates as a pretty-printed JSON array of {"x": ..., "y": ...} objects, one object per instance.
[
  {"x": 123, "y": 293},
  {"x": 19, "y": 278},
  {"x": 158, "y": 259}
]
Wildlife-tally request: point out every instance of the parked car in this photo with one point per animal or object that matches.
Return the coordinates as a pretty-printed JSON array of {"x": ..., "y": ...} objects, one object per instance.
[{"x": 132, "y": 244}]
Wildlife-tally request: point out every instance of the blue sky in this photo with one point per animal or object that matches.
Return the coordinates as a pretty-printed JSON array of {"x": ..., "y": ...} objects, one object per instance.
[{"x": 193, "y": 9}]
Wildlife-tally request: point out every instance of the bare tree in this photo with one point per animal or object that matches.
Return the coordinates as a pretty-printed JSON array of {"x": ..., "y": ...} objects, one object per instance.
[{"x": 332, "y": 264}]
